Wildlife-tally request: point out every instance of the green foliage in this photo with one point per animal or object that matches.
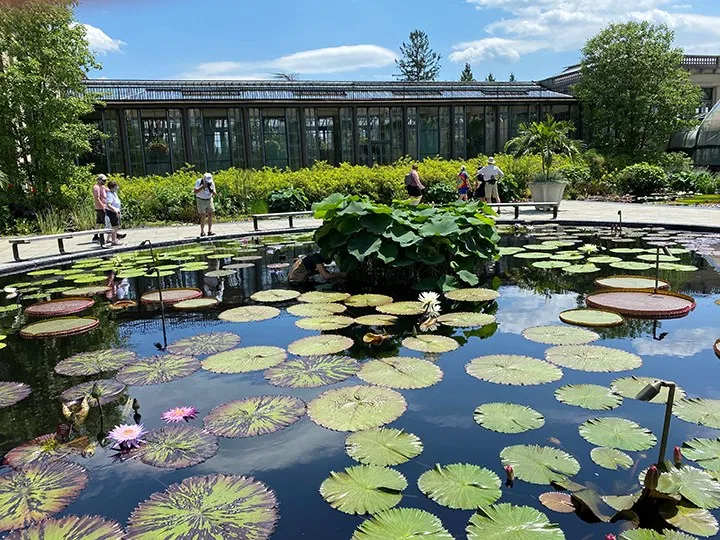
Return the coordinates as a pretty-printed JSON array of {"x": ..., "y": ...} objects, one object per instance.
[
  {"x": 634, "y": 92},
  {"x": 440, "y": 247},
  {"x": 288, "y": 199},
  {"x": 467, "y": 74},
  {"x": 440, "y": 193},
  {"x": 641, "y": 179},
  {"x": 698, "y": 181},
  {"x": 51, "y": 221},
  {"x": 675, "y": 162},
  {"x": 419, "y": 62}
]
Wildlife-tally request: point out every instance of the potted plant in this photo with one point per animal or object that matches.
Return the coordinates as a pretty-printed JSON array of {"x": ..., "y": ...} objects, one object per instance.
[{"x": 158, "y": 147}]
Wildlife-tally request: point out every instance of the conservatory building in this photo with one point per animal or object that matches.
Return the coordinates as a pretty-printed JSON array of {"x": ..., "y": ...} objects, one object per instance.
[{"x": 157, "y": 127}]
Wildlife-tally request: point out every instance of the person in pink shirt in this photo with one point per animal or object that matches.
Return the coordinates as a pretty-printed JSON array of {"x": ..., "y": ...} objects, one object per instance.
[{"x": 99, "y": 192}]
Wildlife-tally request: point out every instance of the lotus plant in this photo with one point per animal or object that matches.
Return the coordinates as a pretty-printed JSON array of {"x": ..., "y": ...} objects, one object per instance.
[
  {"x": 677, "y": 456},
  {"x": 178, "y": 414},
  {"x": 510, "y": 475},
  {"x": 610, "y": 537},
  {"x": 431, "y": 303},
  {"x": 651, "y": 478},
  {"x": 588, "y": 249},
  {"x": 125, "y": 437}
]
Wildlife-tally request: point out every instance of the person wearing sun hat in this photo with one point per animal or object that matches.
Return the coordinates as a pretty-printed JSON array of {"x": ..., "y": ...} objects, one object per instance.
[
  {"x": 204, "y": 194},
  {"x": 492, "y": 175}
]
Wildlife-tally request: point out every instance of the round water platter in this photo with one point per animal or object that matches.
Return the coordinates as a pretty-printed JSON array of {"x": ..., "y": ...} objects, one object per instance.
[
  {"x": 170, "y": 296},
  {"x": 630, "y": 282},
  {"x": 196, "y": 303},
  {"x": 59, "y": 327},
  {"x": 60, "y": 307},
  {"x": 122, "y": 304},
  {"x": 90, "y": 290},
  {"x": 643, "y": 303}
]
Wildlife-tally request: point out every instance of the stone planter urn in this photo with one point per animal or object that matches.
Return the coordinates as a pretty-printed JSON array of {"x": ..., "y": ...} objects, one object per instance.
[{"x": 548, "y": 192}]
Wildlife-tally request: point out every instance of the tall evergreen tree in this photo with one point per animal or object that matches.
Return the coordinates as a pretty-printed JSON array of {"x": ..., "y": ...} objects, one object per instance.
[
  {"x": 512, "y": 77},
  {"x": 490, "y": 77},
  {"x": 419, "y": 62},
  {"x": 467, "y": 74}
]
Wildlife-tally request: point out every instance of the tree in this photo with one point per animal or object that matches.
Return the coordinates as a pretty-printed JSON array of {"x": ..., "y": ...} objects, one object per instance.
[
  {"x": 490, "y": 77},
  {"x": 547, "y": 138},
  {"x": 44, "y": 58},
  {"x": 634, "y": 93},
  {"x": 512, "y": 77},
  {"x": 467, "y": 74},
  {"x": 419, "y": 62}
]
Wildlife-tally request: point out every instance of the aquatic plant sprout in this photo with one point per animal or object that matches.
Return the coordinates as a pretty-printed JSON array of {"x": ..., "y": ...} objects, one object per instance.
[{"x": 179, "y": 414}]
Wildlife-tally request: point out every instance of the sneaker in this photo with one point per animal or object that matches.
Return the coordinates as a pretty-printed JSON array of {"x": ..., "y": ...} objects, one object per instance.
[
  {"x": 202, "y": 234},
  {"x": 121, "y": 236},
  {"x": 116, "y": 243},
  {"x": 96, "y": 238},
  {"x": 211, "y": 234}
]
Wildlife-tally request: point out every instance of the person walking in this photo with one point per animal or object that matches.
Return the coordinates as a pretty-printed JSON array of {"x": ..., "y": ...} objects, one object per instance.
[
  {"x": 204, "y": 194},
  {"x": 112, "y": 211},
  {"x": 492, "y": 175},
  {"x": 479, "y": 192},
  {"x": 99, "y": 193},
  {"x": 463, "y": 184},
  {"x": 413, "y": 185}
]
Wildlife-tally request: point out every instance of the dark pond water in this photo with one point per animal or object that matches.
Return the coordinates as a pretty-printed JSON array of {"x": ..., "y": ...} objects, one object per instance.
[{"x": 295, "y": 461}]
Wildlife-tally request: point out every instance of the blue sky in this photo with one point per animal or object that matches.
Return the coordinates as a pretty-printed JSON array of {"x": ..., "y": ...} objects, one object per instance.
[{"x": 359, "y": 39}]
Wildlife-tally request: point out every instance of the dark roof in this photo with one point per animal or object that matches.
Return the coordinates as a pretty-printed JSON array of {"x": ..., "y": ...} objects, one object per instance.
[{"x": 123, "y": 91}]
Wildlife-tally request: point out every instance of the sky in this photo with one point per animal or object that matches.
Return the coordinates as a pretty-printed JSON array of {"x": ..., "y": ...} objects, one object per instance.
[{"x": 360, "y": 39}]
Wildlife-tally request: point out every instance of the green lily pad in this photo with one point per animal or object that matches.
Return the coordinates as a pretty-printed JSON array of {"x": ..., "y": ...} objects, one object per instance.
[
  {"x": 194, "y": 267},
  {"x": 631, "y": 265},
  {"x": 545, "y": 246},
  {"x": 539, "y": 464},
  {"x": 109, "y": 390},
  {"x": 629, "y": 387},
  {"x": 604, "y": 259},
  {"x": 594, "y": 318},
  {"x": 626, "y": 251},
  {"x": 696, "y": 485},
  {"x": 618, "y": 433},
  {"x": 93, "y": 362},
  {"x": 473, "y": 295},
  {"x": 132, "y": 273},
  {"x": 176, "y": 447},
  {"x": 316, "y": 310},
  {"x": 253, "y": 416},
  {"x": 508, "y": 417},
  {"x": 559, "y": 335},
  {"x": 704, "y": 412},
  {"x": 531, "y": 255},
  {"x": 581, "y": 269},
  {"x": 465, "y": 319},
  {"x": 320, "y": 345},
  {"x": 224, "y": 272},
  {"x": 377, "y": 320},
  {"x": 630, "y": 282},
  {"x": 509, "y": 250},
  {"x": 383, "y": 446},
  {"x": 71, "y": 528},
  {"x": 214, "y": 506},
  {"x": 89, "y": 279},
  {"x": 363, "y": 489},
  {"x": 558, "y": 502},
  {"x": 368, "y": 300},
  {"x": 550, "y": 265},
  {"x": 275, "y": 295},
  {"x": 195, "y": 304},
  {"x": 513, "y": 369},
  {"x": 567, "y": 256},
  {"x": 430, "y": 343},
  {"x": 248, "y": 258},
  {"x": 209, "y": 343},
  {"x": 329, "y": 322},
  {"x": 592, "y": 358},
  {"x": 675, "y": 267},
  {"x": 323, "y": 297},
  {"x": 312, "y": 371},
  {"x": 652, "y": 257},
  {"x": 402, "y": 308},
  {"x": 689, "y": 519},
  {"x": 245, "y": 359},
  {"x": 401, "y": 524},
  {"x": 611, "y": 458},
  {"x": 244, "y": 314},
  {"x": 158, "y": 369},
  {"x": 59, "y": 327},
  {"x": 588, "y": 396},
  {"x": 42, "y": 449},
  {"x": 12, "y": 392},
  {"x": 401, "y": 372},
  {"x": 704, "y": 452},
  {"x": 238, "y": 266},
  {"x": 506, "y": 521},
  {"x": 355, "y": 408},
  {"x": 460, "y": 486}
]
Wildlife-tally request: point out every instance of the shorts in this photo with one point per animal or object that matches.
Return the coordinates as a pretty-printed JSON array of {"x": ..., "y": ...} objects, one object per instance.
[
  {"x": 479, "y": 192},
  {"x": 205, "y": 206},
  {"x": 491, "y": 190},
  {"x": 99, "y": 217},
  {"x": 113, "y": 217},
  {"x": 463, "y": 190},
  {"x": 414, "y": 191}
]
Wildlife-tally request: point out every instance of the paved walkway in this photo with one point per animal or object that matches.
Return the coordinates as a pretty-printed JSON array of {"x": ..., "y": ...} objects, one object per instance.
[{"x": 44, "y": 252}]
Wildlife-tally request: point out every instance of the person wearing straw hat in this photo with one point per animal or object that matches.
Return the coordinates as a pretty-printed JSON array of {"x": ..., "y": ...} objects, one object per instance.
[{"x": 492, "y": 175}]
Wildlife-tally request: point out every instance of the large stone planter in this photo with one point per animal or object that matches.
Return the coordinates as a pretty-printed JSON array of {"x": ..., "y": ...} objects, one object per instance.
[{"x": 549, "y": 192}]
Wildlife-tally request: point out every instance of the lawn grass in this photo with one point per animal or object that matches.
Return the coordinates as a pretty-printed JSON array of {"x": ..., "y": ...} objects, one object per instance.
[{"x": 701, "y": 199}]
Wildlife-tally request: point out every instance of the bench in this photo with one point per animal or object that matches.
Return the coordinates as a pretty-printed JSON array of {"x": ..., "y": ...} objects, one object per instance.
[
  {"x": 15, "y": 242},
  {"x": 547, "y": 206},
  {"x": 289, "y": 215}
]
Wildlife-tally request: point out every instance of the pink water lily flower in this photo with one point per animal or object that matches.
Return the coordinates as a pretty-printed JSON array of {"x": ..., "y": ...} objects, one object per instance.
[
  {"x": 178, "y": 414},
  {"x": 127, "y": 436},
  {"x": 677, "y": 456}
]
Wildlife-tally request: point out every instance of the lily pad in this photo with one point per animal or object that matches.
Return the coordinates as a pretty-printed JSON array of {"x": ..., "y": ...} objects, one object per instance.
[
  {"x": 630, "y": 282},
  {"x": 592, "y": 358},
  {"x": 209, "y": 343},
  {"x": 275, "y": 295},
  {"x": 460, "y": 486},
  {"x": 329, "y": 322},
  {"x": 465, "y": 319},
  {"x": 430, "y": 343},
  {"x": 320, "y": 345},
  {"x": 588, "y": 396},
  {"x": 316, "y": 310},
  {"x": 239, "y": 266},
  {"x": 12, "y": 392},
  {"x": 42, "y": 449},
  {"x": 312, "y": 371},
  {"x": 196, "y": 304},
  {"x": 176, "y": 447},
  {"x": 559, "y": 335},
  {"x": 363, "y": 489},
  {"x": 194, "y": 267},
  {"x": 214, "y": 506},
  {"x": 473, "y": 295},
  {"x": 401, "y": 524},
  {"x": 71, "y": 528},
  {"x": 109, "y": 390},
  {"x": 93, "y": 362},
  {"x": 244, "y": 314},
  {"x": 355, "y": 408},
  {"x": 323, "y": 297},
  {"x": 675, "y": 267},
  {"x": 594, "y": 318},
  {"x": 508, "y": 417},
  {"x": 539, "y": 464},
  {"x": 704, "y": 452},
  {"x": 631, "y": 265},
  {"x": 567, "y": 256},
  {"x": 377, "y": 320},
  {"x": 618, "y": 433},
  {"x": 401, "y": 372},
  {"x": 588, "y": 268},
  {"x": 531, "y": 255},
  {"x": 170, "y": 296},
  {"x": 550, "y": 265},
  {"x": 509, "y": 521},
  {"x": 689, "y": 519},
  {"x": 611, "y": 458},
  {"x": 253, "y": 416},
  {"x": 629, "y": 387},
  {"x": 652, "y": 257},
  {"x": 513, "y": 369},
  {"x": 245, "y": 359},
  {"x": 558, "y": 502},
  {"x": 696, "y": 485},
  {"x": 509, "y": 250},
  {"x": 704, "y": 412},
  {"x": 643, "y": 303},
  {"x": 368, "y": 300},
  {"x": 37, "y": 492},
  {"x": 59, "y": 327},
  {"x": 402, "y": 308},
  {"x": 604, "y": 259},
  {"x": 158, "y": 369},
  {"x": 60, "y": 307},
  {"x": 383, "y": 446}
]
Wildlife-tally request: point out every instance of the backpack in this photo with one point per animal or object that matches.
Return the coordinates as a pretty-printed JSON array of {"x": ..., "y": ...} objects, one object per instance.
[{"x": 409, "y": 180}]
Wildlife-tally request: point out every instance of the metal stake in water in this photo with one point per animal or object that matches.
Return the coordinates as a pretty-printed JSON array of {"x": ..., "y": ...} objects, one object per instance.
[
  {"x": 159, "y": 287},
  {"x": 619, "y": 222}
]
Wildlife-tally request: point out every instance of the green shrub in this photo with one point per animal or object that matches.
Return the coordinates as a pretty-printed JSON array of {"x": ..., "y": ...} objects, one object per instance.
[
  {"x": 595, "y": 162},
  {"x": 440, "y": 193},
  {"x": 675, "y": 162},
  {"x": 510, "y": 189},
  {"x": 579, "y": 181},
  {"x": 641, "y": 179},
  {"x": 51, "y": 221},
  {"x": 287, "y": 199}
]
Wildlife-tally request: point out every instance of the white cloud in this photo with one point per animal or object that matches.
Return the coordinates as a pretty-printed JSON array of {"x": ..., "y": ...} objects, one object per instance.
[
  {"x": 564, "y": 25},
  {"x": 341, "y": 59},
  {"x": 521, "y": 309},
  {"x": 683, "y": 343},
  {"x": 100, "y": 42}
]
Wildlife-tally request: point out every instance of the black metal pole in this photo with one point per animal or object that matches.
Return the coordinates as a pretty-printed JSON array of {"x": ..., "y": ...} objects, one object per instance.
[
  {"x": 657, "y": 269},
  {"x": 159, "y": 288},
  {"x": 666, "y": 424}
]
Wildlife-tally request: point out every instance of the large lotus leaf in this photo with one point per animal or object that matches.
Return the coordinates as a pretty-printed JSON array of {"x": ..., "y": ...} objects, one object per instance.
[
  {"x": 196, "y": 304},
  {"x": 316, "y": 310},
  {"x": 158, "y": 369},
  {"x": 93, "y": 362},
  {"x": 704, "y": 412},
  {"x": 368, "y": 300},
  {"x": 323, "y": 297},
  {"x": 611, "y": 458},
  {"x": 513, "y": 369},
  {"x": 209, "y": 343},
  {"x": 558, "y": 502},
  {"x": 675, "y": 267},
  {"x": 689, "y": 519},
  {"x": 629, "y": 387},
  {"x": 402, "y": 524},
  {"x": 176, "y": 447},
  {"x": 508, "y": 417},
  {"x": 617, "y": 433},
  {"x": 506, "y": 521},
  {"x": 12, "y": 392},
  {"x": 37, "y": 492},
  {"x": 377, "y": 320},
  {"x": 460, "y": 486},
  {"x": 312, "y": 371},
  {"x": 354, "y": 408},
  {"x": 401, "y": 372},
  {"x": 546, "y": 265},
  {"x": 71, "y": 528},
  {"x": 249, "y": 314},
  {"x": 258, "y": 415},
  {"x": 383, "y": 446},
  {"x": 472, "y": 295},
  {"x": 327, "y": 322},
  {"x": 90, "y": 290},
  {"x": 591, "y": 317},
  {"x": 696, "y": 485},
  {"x": 630, "y": 282},
  {"x": 559, "y": 335},
  {"x": 320, "y": 345},
  {"x": 430, "y": 343},
  {"x": 592, "y": 358},
  {"x": 245, "y": 359},
  {"x": 45, "y": 448},
  {"x": 588, "y": 396},
  {"x": 109, "y": 389},
  {"x": 363, "y": 489},
  {"x": 631, "y": 265},
  {"x": 704, "y": 452},
  {"x": 588, "y": 268},
  {"x": 539, "y": 464},
  {"x": 509, "y": 250},
  {"x": 59, "y": 327},
  {"x": 213, "y": 507},
  {"x": 275, "y": 295},
  {"x": 465, "y": 319},
  {"x": 402, "y": 308}
]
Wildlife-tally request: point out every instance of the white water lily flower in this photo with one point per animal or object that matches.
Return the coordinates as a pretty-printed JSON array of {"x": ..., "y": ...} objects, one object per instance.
[
  {"x": 432, "y": 310},
  {"x": 429, "y": 298},
  {"x": 588, "y": 248}
]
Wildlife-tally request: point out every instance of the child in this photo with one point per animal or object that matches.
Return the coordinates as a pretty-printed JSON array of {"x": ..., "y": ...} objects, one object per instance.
[{"x": 464, "y": 185}]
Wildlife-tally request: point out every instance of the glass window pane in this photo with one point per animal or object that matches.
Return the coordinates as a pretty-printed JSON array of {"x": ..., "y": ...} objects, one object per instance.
[
  {"x": 429, "y": 132},
  {"x": 113, "y": 145},
  {"x": 412, "y": 132},
  {"x": 445, "y": 133},
  {"x": 503, "y": 126},
  {"x": 256, "y": 139},
  {"x": 490, "y": 129},
  {"x": 294, "y": 153},
  {"x": 216, "y": 130},
  {"x": 346, "y": 135},
  {"x": 459, "y": 132},
  {"x": 156, "y": 141},
  {"x": 397, "y": 133},
  {"x": 196, "y": 139},
  {"x": 363, "y": 137},
  {"x": 135, "y": 143},
  {"x": 518, "y": 115},
  {"x": 475, "y": 131},
  {"x": 237, "y": 138},
  {"x": 326, "y": 139},
  {"x": 275, "y": 141},
  {"x": 177, "y": 142},
  {"x": 311, "y": 136}
]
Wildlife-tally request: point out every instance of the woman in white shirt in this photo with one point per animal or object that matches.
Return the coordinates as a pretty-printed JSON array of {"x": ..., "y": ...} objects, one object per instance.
[{"x": 113, "y": 212}]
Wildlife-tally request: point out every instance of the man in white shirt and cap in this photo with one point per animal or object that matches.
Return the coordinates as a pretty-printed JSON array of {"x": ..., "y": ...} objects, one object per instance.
[
  {"x": 492, "y": 175},
  {"x": 204, "y": 194}
]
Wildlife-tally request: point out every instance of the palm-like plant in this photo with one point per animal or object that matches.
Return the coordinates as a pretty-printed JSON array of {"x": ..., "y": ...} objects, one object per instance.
[{"x": 547, "y": 138}]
